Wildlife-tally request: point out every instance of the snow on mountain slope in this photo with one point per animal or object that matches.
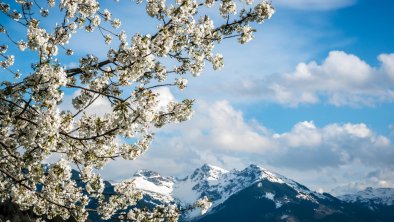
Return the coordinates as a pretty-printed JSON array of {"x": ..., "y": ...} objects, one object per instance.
[
  {"x": 256, "y": 194},
  {"x": 211, "y": 181},
  {"x": 382, "y": 196},
  {"x": 153, "y": 184}
]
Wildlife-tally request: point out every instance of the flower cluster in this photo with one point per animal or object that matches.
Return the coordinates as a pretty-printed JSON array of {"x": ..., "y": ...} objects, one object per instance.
[
  {"x": 204, "y": 204},
  {"x": 9, "y": 61},
  {"x": 33, "y": 127},
  {"x": 79, "y": 8}
]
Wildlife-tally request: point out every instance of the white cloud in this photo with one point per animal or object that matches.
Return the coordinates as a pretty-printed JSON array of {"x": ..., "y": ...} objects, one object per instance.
[
  {"x": 219, "y": 134},
  {"x": 164, "y": 97},
  {"x": 387, "y": 64},
  {"x": 229, "y": 131},
  {"x": 315, "y": 4},
  {"x": 341, "y": 79},
  {"x": 303, "y": 134},
  {"x": 99, "y": 107},
  {"x": 102, "y": 105}
]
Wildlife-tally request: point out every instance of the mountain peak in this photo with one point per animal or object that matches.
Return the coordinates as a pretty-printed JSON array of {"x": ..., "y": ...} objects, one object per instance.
[
  {"x": 208, "y": 172},
  {"x": 209, "y": 167},
  {"x": 146, "y": 173},
  {"x": 255, "y": 168}
]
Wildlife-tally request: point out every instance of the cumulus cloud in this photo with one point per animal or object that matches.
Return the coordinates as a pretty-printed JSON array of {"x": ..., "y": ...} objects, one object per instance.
[
  {"x": 229, "y": 131},
  {"x": 102, "y": 105},
  {"x": 309, "y": 147},
  {"x": 220, "y": 135},
  {"x": 387, "y": 64},
  {"x": 164, "y": 97},
  {"x": 315, "y": 5},
  {"x": 342, "y": 79},
  {"x": 99, "y": 107}
]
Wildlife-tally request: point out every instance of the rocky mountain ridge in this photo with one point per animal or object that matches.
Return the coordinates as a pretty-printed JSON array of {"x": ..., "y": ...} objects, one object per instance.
[{"x": 272, "y": 197}]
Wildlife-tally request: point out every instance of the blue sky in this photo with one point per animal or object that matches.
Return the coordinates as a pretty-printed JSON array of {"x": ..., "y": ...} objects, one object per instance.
[{"x": 311, "y": 97}]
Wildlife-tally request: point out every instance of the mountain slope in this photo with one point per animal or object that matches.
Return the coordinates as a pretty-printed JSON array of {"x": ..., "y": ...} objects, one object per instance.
[{"x": 267, "y": 201}]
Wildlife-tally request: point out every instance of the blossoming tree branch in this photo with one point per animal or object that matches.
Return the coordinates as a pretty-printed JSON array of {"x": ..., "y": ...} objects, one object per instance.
[{"x": 33, "y": 127}]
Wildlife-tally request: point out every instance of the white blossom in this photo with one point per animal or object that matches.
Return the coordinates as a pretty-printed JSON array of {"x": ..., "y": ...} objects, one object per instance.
[
  {"x": 44, "y": 12},
  {"x": 264, "y": 11},
  {"x": 96, "y": 20},
  {"x": 181, "y": 83},
  {"x": 3, "y": 49},
  {"x": 69, "y": 52},
  {"x": 209, "y": 3},
  {"x": 204, "y": 204},
  {"x": 16, "y": 15},
  {"x": 22, "y": 45},
  {"x": 154, "y": 7},
  {"x": 108, "y": 39},
  {"x": 51, "y": 3},
  {"x": 8, "y": 62},
  {"x": 246, "y": 34},
  {"x": 217, "y": 62},
  {"x": 123, "y": 37},
  {"x": 227, "y": 7},
  {"x": 116, "y": 23},
  {"x": 107, "y": 15}
]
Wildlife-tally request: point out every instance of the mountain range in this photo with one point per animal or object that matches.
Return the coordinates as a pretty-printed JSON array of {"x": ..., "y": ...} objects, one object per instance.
[
  {"x": 256, "y": 194},
  {"x": 253, "y": 194}
]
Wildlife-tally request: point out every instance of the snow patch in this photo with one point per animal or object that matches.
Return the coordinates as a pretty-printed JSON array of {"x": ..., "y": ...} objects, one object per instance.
[
  {"x": 269, "y": 196},
  {"x": 284, "y": 216}
]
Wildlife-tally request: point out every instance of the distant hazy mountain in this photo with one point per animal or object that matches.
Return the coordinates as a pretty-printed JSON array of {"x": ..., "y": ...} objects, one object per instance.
[
  {"x": 371, "y": 197},
  {"x": 256, "y": 194}
]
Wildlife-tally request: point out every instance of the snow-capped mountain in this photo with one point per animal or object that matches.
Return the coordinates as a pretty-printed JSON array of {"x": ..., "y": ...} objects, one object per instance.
[
  {"x": 255, "y": 194},
  {"x": 377, "y": 196},
  {"x": 216, "y": 183}
]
